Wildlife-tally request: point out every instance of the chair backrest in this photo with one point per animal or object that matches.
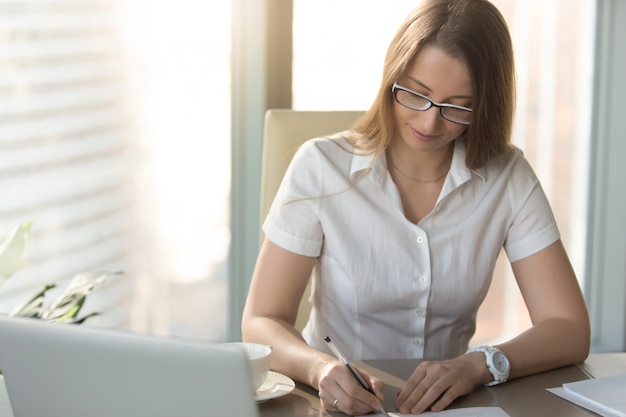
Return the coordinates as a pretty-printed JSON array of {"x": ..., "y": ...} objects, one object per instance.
[{"x": 284, "y": 131}]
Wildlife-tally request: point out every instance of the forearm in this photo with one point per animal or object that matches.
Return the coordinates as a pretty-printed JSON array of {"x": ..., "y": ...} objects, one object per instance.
[
  {"x": 551, "y": 344},
  {"x": 561, "y": 331},
  {"x": 291, "y": 355}
]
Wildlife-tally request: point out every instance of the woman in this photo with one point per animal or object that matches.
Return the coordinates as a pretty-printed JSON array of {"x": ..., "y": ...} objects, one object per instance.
[{"x": 403, "y": 218}]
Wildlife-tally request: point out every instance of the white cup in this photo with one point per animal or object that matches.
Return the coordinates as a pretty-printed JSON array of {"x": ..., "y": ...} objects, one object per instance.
[{"x": 259, "y": 359}]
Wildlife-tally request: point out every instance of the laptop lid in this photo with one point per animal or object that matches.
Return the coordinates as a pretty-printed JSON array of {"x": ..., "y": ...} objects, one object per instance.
[{"x": 62, "y": 370}]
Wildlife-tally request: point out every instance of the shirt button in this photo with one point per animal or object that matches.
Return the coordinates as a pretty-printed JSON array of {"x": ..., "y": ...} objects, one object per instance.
[
  {"x": 422, "y": 279},
  {"x": 417, "y": 342},
  {"x": 420, "y": 311},
  {"x": 420, "y": 240}
]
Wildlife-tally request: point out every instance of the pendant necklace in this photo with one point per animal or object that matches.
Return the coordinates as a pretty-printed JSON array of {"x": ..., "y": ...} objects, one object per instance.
[{"x": 415, "y": 179}]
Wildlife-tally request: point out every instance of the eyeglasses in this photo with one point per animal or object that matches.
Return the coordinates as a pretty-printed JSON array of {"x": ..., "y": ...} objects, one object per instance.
[{"x": 416, "y": 101}]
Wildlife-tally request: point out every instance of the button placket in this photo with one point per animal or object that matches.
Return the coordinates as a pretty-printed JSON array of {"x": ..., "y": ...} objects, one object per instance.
[{"x": 421, "y": 276}]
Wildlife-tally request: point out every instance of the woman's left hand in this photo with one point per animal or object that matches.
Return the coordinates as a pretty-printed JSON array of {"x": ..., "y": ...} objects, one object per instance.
[{"x": 435, "y": 385}]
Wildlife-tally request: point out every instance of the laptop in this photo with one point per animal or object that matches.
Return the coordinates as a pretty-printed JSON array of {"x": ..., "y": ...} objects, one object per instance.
[{"x": 64, "y": 370}]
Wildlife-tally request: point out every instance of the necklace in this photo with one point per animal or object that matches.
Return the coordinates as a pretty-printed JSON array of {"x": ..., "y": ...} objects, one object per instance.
[{"x": 415, "y": 179}]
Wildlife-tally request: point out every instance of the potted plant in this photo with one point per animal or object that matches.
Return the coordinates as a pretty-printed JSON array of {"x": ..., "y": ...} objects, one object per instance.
[{"x": 64, "y": 308}]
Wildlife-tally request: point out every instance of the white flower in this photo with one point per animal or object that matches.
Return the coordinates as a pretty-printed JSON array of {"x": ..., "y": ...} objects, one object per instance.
[{"x": 13, "y": 249}]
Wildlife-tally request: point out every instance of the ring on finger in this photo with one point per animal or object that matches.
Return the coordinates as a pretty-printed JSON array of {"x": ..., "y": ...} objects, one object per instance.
[{"x": 335, "y": 404}]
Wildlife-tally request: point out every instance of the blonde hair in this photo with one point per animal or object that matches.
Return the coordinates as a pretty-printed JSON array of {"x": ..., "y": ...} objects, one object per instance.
[{"x": 474, "y": 32}]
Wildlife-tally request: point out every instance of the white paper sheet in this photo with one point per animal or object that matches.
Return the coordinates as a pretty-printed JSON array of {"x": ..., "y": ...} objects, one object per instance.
[
  {"x": 456, "y": 412},
  {"x": 605, "y": 396}
]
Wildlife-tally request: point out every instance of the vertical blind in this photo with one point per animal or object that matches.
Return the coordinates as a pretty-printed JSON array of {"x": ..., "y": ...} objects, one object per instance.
[{"x": 65, "y": 148}]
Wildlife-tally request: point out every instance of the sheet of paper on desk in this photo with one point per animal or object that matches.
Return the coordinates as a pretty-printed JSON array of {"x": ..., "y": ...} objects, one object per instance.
[
  {"x": 605, "y": 396},
  {"x": 456, "y": 412}
]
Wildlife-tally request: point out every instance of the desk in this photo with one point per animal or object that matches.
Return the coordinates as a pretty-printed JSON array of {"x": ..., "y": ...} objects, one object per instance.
[{"x": 522, "y": 397}]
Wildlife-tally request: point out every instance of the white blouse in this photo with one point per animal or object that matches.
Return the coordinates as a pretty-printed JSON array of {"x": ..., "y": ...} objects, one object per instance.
[{"x": 387, "y": 288}]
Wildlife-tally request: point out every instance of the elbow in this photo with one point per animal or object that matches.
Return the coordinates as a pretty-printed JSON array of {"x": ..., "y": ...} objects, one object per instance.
[
  {"x": 581, "y": 352},
  {"x": 247, "y": 323},
  {"x": 585, "y": 348},
  {"x": 247, "y": 332},
  {"x": 582, "y": 345},
  {"x": 253, "y": 327},
  {"x": 247, "y": 326}
]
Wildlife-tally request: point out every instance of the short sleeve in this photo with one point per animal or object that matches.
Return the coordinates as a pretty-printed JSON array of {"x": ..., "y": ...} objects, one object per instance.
[
  {"x": 533, "y": 227},
  {"x": 293, "y": 222}
]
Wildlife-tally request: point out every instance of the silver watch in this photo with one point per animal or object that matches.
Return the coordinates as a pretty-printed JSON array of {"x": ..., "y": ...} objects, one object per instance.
[{"x": 497, "y": 363}]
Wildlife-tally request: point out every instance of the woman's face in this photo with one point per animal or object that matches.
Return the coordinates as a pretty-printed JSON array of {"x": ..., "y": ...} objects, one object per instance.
[{"x": 444, "y": 79}]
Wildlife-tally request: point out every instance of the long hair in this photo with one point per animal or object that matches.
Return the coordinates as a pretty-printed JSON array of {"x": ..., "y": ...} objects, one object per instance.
[{"x": 474, "y": 32}]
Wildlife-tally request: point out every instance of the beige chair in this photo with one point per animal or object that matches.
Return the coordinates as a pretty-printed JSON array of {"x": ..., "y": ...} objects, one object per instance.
[{"x": 284, "y": 132}]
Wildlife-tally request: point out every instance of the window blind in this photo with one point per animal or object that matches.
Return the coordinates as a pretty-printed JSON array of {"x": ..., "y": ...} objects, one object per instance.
[{"x": 66, "y": 149}]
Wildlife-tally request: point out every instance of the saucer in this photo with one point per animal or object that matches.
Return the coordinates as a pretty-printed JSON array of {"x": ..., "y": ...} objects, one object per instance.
[{"x": 275, "y": 385}]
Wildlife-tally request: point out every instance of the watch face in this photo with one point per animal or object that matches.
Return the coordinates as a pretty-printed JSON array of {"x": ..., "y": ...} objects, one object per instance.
[{"x": 501, "y": 362}]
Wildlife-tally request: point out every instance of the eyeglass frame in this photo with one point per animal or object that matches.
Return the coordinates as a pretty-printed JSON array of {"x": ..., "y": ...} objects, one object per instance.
[{"x": 430, "y": 103}]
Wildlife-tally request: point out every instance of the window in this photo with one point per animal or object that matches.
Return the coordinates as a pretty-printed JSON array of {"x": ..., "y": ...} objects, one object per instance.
[
  {"x": 65, "y": 153},
  {"x": 179, "y": 54},
  {"x": 115, "y": 139}
]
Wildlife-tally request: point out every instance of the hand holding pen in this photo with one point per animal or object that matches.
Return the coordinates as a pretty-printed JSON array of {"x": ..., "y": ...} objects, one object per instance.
[{"x": 353, "y": 371}]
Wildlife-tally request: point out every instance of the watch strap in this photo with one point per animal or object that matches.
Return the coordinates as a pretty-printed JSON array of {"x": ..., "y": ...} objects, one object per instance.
[{"x": 498, "y": 378}]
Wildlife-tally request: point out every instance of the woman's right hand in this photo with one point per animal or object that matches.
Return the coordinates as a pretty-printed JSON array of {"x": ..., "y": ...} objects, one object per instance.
[
  {"x": 340, "y": 391},
  {"x": 279, "y": 280}
]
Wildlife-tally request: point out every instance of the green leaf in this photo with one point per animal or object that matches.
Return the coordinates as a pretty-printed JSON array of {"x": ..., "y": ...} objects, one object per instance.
[
  {"x": 34, "y": 306},
  {"x": 13, "y": 249},
  {"x": 67, "y": 306},
  {"x": 82, "y": 319}
]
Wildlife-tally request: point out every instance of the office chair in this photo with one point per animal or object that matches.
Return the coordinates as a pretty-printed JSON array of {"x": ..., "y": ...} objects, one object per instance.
[{"x": 284, "y": 131}]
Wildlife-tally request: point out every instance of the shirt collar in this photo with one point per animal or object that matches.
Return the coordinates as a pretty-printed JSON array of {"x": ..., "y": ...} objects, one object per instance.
[
  {"x": 459, "y": 171},
  {"x": 362, "y": 162}
]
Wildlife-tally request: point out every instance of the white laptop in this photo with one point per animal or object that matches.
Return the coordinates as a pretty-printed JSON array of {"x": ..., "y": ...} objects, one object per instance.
[{"x": 64, "y": 370}]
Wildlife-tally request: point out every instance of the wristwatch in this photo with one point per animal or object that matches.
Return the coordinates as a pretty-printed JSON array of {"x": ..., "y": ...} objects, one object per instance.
[{"x": 497, "y": 363}]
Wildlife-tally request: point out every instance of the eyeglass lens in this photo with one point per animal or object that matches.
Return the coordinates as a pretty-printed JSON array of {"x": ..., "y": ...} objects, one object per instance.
[{"x": 417, "y": 102}]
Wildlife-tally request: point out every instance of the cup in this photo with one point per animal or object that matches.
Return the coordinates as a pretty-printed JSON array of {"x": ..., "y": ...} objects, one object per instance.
[{"x": 259, "y": 359}]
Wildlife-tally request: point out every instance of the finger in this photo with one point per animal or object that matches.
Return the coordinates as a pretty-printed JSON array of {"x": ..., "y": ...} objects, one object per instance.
[
  {"x": 328, "y": 402},
  {"x": 330, "y": 390},
  {"x": 414, "y": 401},
  {"x": 378, "y": 387},
  {"x": 348, "y": 405},
  {"x": 411, "y": 385},
  {"x": 342, "y": 392},
  {"x": 358, "y": 398},
  {"x": 426, "y": 401},
  {"x": 373, "y": 385},
  {"x": 333, "y": 406},
  {"x": 374, "y": 390},
  {"x": 446, "y": 399},
  {"x": 424, "y": 387}
]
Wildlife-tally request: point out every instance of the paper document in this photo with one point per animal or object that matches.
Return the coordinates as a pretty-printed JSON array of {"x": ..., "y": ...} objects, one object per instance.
[
  {"x": 605, "y": 396},
  {"x": 457, "y": 412}
]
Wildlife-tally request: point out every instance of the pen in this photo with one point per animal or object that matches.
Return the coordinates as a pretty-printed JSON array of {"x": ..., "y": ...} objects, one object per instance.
[{"x": 352, "y": 370}]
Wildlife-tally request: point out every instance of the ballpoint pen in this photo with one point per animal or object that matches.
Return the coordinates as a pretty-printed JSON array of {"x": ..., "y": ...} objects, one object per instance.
[{"x": 352, "y": 370}]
